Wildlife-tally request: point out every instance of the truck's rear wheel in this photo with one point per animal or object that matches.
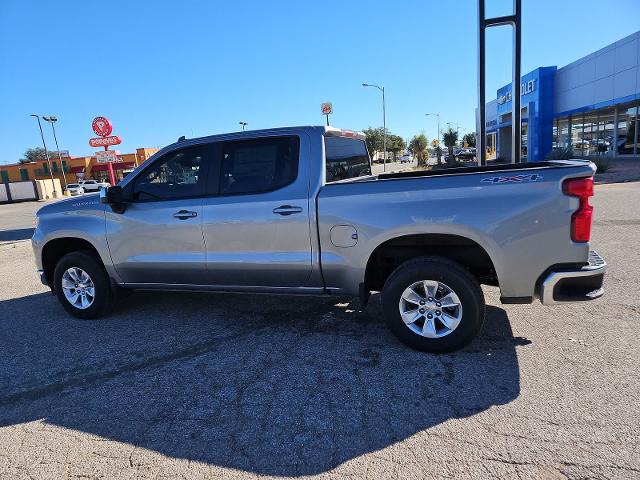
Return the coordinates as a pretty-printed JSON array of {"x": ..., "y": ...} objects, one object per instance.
[
  {"x": 432, "y": 304},
  {"x": 82, "y": 285}
]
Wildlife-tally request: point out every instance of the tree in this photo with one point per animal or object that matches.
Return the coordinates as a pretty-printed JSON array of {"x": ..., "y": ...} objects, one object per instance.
[
  {"x": 450, "y": 137},
  {"x": 374, "y": 140},
  {"x": 469, "y": 139},
  {"x": 418, "y": 146},
  {"x": 33, "y": 155},
  {"x": 395, "y": 144}
]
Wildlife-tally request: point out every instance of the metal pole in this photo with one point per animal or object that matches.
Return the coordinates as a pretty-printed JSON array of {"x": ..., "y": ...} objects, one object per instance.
[
  {"x": 384, "y": 124},
  {"x": 515, "y": 21},
  {"x": 437, "y": 137},
  {"x": 64, "y": 177},
  {"x": 482, "y": 134},
  {"x": 46, "y": 153},
  {"x": 516, "y": 125},
  {"x": 384, "y": 132},
  {"x": 615, "y": 131}
]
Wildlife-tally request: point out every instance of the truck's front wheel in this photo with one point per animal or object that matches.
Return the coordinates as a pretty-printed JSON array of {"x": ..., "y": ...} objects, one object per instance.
[
  {"x": 82, "y": 285},
  {"x": 433, "y": 304}
]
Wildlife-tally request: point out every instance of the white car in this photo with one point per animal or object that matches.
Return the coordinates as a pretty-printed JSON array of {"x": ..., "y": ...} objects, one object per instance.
[
  {"x": 93, "y": 185},
  {"x": 406, "y": 159},
  {"x": 74, "y": 189}
]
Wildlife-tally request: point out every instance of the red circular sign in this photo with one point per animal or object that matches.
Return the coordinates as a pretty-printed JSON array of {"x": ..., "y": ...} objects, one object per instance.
[{"x": 102, "y": 126}]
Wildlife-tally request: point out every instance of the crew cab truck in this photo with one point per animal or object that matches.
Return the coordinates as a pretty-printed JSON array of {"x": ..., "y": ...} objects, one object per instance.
[{"x": 297, "y": 211}]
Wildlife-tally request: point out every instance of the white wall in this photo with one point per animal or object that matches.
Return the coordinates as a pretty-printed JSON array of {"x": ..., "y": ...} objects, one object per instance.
[
  {"x": 3, "y": 193},
  {"x": 47, "y": 189},
  {"x": 612, "y": 72},
  {"x": 22, "y": 191}
]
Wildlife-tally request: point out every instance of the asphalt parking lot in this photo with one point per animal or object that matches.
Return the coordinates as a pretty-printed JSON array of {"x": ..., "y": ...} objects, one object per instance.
[{"x": 204, "y": 386}]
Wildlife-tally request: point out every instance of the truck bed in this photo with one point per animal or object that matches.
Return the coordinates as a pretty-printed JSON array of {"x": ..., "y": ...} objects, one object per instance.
[{"x": 484, "y": 169}]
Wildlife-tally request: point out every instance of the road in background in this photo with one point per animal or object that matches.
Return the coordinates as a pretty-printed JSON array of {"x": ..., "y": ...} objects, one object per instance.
[
  {"x": 17, "y": 220},
  {"x": 199, "y": 385}
]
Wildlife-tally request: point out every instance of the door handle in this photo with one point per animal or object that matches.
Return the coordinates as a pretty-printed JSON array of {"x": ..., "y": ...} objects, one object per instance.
[
  {"x": 184, "y": 214},
  {"x": 286, "y": 210}
]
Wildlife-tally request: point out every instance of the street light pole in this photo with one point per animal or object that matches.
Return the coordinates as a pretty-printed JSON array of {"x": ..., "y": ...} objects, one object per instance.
[
  {"x": 244, "y": 124},
  {"x": 46, "y": 153},
  {"x": 384, "y": 124},
  {"x": 438, "y": 142},
  {"x": 52, "y": 120}
]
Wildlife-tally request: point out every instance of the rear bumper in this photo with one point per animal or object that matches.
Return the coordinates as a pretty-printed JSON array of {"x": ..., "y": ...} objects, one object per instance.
[{"x": 577, "y": 285}]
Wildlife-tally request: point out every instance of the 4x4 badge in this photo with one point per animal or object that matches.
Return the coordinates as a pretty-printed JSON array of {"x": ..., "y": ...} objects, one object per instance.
[{"x": 531, "y": 177}]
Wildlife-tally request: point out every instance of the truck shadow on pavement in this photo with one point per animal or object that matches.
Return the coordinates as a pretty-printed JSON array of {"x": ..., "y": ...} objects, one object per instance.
[{"x": 268, "y": 385}]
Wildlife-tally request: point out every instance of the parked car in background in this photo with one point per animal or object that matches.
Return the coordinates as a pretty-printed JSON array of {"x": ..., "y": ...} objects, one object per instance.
[
  {"x": 297, "y": 210},
  {"x": 74, "y": 189},
  {"x": 406, "y": 158},
  {"x": 93, "y": 185},
  {"x": 468, "y": 153}
]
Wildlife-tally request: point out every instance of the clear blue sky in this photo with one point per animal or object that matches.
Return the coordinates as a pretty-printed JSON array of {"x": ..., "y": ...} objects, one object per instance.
[{"x": 161, "y": 69}]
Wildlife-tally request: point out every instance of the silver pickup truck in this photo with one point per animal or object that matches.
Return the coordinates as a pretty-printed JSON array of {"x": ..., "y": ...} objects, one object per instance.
[{"x": 298, "y": 211}]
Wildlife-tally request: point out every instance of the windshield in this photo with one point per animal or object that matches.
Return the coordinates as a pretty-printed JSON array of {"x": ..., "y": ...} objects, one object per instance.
[{"x": 346, "y": 158}]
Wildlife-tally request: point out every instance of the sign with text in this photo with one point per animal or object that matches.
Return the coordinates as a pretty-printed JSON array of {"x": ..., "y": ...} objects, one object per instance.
[
  {"x": 106, "y": 156},
  {"x": 105, "y": 141},
  {"x": 326, "y": 108}
]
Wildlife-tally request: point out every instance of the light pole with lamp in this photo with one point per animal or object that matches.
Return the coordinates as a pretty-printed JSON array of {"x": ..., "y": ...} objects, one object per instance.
[
  {"x": 46, "y": 153},
  {"x": 438, "y": 141},
  {"x": 52, "y": 120},
  {"x": 244, "y": 124},
  {"x": 384, "y": 124}
]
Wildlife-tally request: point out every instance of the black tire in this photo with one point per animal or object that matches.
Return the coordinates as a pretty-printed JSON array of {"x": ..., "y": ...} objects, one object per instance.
[
  {"x": 104, "y": 297},
  {"x": 454, "y": 276}
]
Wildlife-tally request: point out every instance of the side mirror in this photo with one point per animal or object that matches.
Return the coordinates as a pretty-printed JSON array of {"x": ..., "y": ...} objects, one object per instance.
[{"x": 111, "y": 195}]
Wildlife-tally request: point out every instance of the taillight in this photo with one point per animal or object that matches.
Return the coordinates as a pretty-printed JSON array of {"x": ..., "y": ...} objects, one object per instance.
[{"x": 581, "y": 218}]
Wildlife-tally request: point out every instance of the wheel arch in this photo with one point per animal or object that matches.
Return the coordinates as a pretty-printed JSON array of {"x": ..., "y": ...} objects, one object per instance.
[
  {"x": 56, "y": 248},
  {"x": 391, "y": 253}
]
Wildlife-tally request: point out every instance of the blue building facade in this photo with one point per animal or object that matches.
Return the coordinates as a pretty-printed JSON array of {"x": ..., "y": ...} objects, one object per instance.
[{"x": 590, "y": 106}]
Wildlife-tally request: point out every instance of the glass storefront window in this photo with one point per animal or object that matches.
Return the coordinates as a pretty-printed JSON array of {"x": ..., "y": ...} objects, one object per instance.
[
  {"x": 554, "y": 135},
  {"x": 627, "y": 119},
  {"x": 590, "y": 134},
  {"x": 576, "y": 134},
  {"x": 563, "y": 133},
  {"x": 608, "y": 131},
  {"x": 524, "y": 142},
  {"x": 627, "y": 136}
]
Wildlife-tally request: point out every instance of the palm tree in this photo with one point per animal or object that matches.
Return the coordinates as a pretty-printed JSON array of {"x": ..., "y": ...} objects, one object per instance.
[
  {"x": 418, "y": 146},
  {"x": 450, "y": 137}
]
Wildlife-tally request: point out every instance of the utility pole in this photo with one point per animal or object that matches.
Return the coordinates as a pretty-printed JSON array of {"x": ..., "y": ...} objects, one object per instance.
[
  {"x": 52, "y": 120},
  {"x": 384, "y": 124},
  {"x": 438, "y": 140},
  {"x": 46, "y": 153},
  {"x": 244, "y": 124}
]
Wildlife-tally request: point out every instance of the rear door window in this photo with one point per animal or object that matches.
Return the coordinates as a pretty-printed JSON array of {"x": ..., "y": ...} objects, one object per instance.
[
  {"x": 259, "y": 165},
  {"x": 346, "y": 158}
]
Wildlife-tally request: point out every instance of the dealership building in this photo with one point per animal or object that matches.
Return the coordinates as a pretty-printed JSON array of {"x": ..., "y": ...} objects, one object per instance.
[{"x": 590, "y": 106}]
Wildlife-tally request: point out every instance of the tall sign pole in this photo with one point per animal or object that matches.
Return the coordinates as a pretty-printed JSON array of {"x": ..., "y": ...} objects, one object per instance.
[
  {"x": 326, "y": 109},
  {"x": 102, "y": 127},
  {"x": 515, "y": 21}
]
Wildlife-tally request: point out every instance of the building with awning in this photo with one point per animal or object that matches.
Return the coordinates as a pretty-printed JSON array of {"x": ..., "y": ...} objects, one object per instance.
[{"x": 74, "y": 168}]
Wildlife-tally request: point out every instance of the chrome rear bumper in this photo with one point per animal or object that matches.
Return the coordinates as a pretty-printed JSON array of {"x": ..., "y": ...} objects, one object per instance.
[{"x": 579, "y": 285}]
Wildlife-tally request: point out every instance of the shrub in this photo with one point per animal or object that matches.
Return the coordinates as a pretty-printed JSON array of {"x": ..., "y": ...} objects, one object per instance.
[{"x": 560, "y": 154}]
